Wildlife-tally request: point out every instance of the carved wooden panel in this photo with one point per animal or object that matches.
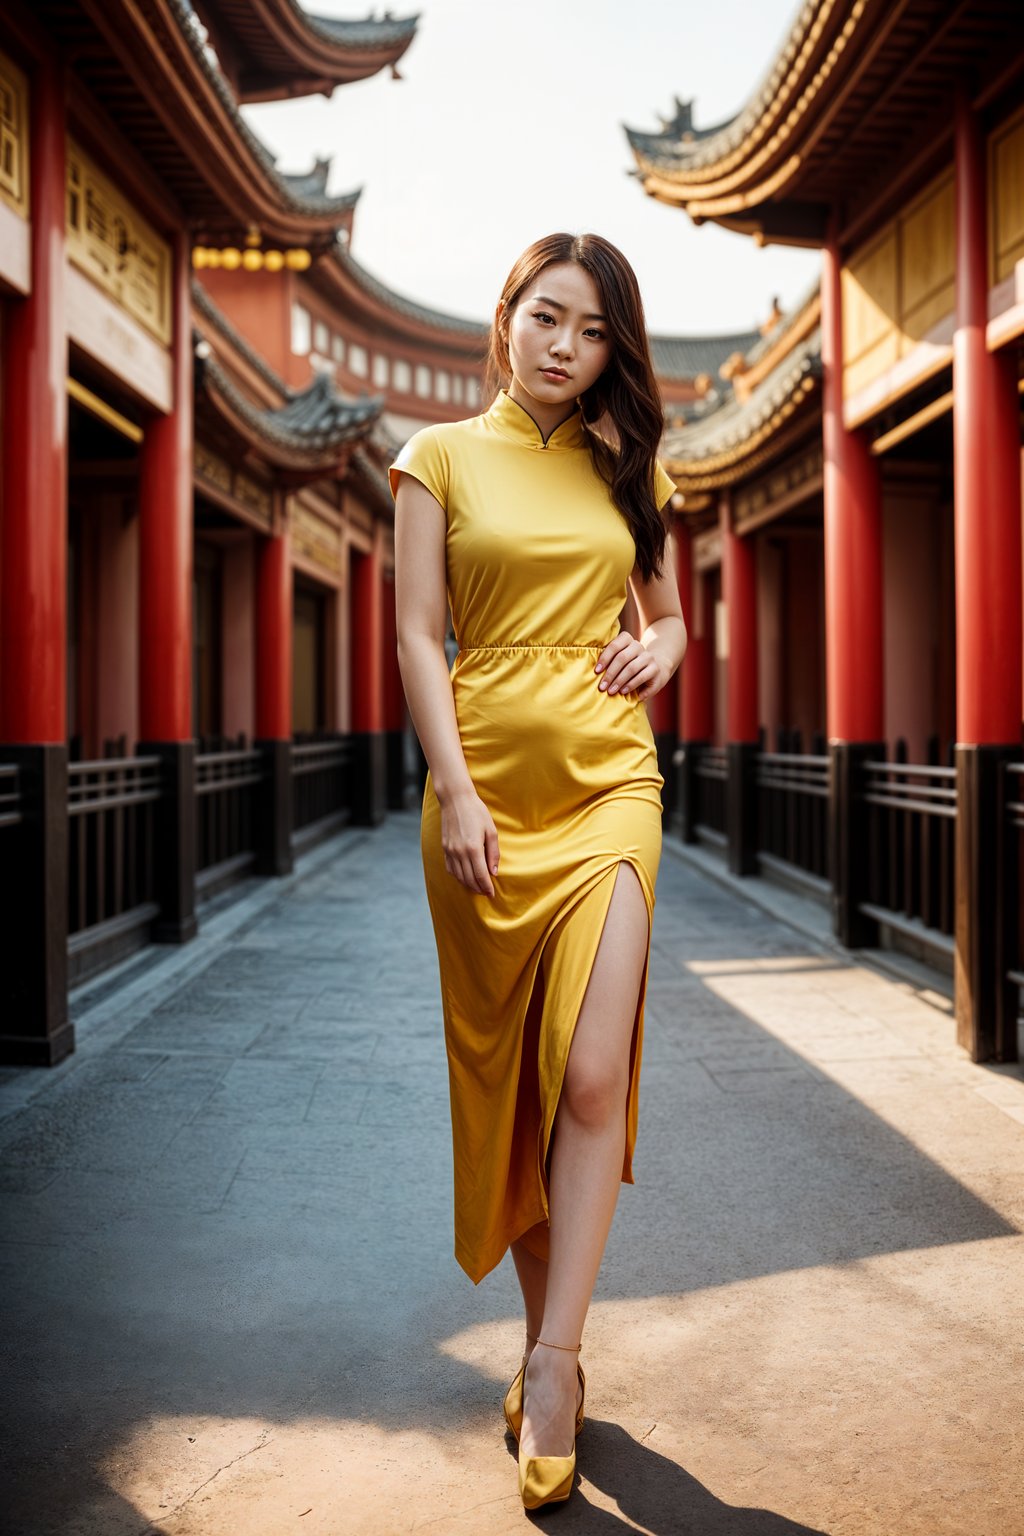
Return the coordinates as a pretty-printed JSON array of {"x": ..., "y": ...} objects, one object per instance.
[
  {"x": 13, "y": 137},
  {"x": 315, "y": 539},
  {"x": 1006, "y": 197},
  {"x": 899, "y": 287},
  {"x": 113, "y": 245}
]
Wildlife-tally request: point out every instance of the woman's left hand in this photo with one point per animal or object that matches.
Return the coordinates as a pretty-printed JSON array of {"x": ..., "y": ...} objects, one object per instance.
[{"x": 627, "y": 666}]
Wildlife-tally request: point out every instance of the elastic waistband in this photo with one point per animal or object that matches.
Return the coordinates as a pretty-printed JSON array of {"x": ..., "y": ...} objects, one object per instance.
[{"x": 538, "y": 645}]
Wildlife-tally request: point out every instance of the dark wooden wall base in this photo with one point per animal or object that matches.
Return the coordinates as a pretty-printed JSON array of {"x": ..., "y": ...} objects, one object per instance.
[
  {"x": 395, "y": 755},
  {"x": 665, "y": 743},
  {"x": 274, "y": 832},
  {"x": 686, "y": 779},
  {"x": 175, "y": 843},
  {"x": 369, "y": 778},
  {"x": 35, "y": 1030},
  {"x": 980, "y": 965},
  {"x": 848, "y": 841},
  {"x": 741, "y": 807}
]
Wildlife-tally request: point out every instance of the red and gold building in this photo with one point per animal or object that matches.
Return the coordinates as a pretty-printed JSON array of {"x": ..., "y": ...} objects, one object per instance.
[
  {"x": 849, "y": 711},
  {"x": 197, "y": 670}
]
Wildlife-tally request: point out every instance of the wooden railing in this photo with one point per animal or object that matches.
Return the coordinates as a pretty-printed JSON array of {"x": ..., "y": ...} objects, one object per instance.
[
  {"x": 112, "y": 807},
  {"x": 10, "y": 795},
  {"x": 1011, "y": 888},
  {"x": 911, "y": 834},
  {"x": 321, "y": 780},
  {"x": 227, "y": 785},
  {"x": 792, "y": 810},
  {"x": 710, "y": 775}
]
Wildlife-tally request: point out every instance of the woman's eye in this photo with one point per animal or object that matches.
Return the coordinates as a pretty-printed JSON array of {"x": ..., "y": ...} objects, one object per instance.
[
  {"x": 595, "y": 333},
  {"x": 540, "y": 315}
]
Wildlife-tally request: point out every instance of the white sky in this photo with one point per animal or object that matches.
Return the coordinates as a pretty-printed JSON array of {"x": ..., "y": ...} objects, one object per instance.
[{"x": 506, "y": 126}]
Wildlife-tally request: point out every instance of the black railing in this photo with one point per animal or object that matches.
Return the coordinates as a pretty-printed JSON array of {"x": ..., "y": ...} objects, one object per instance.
[
  {"x": 321, "y": 779},
  {"x": 112, "y": 808},
  {"x": 10, "y": 795},
  {"x": 710, "y": 776},
  {"x": 792, "y": 809},
  {"x": 227, "y": 785},
  {"x": 911, "y": 836},
  {"x": 1011, "y": 833}
]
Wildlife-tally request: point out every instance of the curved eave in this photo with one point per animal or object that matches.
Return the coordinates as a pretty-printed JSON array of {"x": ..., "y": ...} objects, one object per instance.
[
  {"x": 859, "y": 86},
  {"x": 737, "y": 439},
  {"x": 201, "y": 144},
  {"x": 282, "y": 50},
  {"x": 274, "y": 435},
  {"x": 301, "y": 54},
  {"x": 377, "y": 305},
  {"x": 756, "y": 146}
]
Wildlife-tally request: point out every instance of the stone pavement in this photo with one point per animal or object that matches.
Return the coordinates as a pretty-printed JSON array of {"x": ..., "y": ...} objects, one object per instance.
[{"x": 231, "y": 1306}]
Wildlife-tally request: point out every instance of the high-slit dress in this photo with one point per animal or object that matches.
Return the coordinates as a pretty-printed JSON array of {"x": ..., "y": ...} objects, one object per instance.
[{"x": 538, "y": 558}]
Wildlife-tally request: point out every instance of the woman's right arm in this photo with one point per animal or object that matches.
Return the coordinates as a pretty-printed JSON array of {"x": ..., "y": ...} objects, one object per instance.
[{"x": 468, "y": 834}]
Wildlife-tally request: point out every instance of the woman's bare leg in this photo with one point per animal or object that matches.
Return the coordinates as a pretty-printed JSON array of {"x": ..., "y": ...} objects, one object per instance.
[
  {"x": 533, "y": 1282},
  {"x": 588, "y": 1145}
]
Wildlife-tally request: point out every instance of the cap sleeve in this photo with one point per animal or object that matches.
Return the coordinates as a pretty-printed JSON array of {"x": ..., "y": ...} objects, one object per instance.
[
  {"x": 426, "y": 459},
  {"x": 664, "y": 485}
]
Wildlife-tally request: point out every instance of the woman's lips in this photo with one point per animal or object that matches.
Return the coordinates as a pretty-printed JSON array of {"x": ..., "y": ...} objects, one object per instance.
[{"x": 554, "y": 373}]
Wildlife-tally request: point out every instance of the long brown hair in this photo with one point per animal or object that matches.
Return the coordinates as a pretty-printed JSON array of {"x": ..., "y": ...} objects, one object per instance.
[{"x": 625, "y": 396}]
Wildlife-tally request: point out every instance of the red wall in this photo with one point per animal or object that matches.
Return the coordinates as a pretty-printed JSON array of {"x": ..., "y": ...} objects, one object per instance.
[{"x": 917, "y": 532}]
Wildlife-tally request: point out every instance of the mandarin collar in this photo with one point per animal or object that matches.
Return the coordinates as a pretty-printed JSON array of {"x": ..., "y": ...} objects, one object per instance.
[{"x": 513, "y": 421}]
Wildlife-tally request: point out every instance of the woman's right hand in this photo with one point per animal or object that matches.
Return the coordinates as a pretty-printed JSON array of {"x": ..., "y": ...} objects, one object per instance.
[{"x": 470, "y": 841}]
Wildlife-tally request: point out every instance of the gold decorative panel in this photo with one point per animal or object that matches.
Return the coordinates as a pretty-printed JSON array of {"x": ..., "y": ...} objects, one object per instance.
[
  {"x": 212, "y": 468},
  {"x": 897, "y": 288},
  {"x": 112, "y": 244},
  {"x": 780, "y": 489},
  {"x": 13, "y": 136},
  {"x": 927, "y": 263},
  {"x": 256, "y": 497},
  {"x": 315, "y": 539},
  {"x": 1006, "y": 197}
]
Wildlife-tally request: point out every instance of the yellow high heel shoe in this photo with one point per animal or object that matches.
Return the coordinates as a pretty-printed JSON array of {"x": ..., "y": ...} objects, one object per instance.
[{"x": 546, "y": 1479}]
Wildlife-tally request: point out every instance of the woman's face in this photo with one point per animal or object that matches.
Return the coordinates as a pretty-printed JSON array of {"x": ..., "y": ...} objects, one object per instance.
[{"x": 557, "y": 336}]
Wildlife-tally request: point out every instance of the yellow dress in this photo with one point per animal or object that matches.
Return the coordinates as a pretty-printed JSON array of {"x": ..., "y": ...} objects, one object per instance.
[{"x": 538, "y": 558}]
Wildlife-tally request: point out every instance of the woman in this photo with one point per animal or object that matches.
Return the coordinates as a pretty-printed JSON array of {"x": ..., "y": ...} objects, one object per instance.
[{"x": 541, "y": 823}]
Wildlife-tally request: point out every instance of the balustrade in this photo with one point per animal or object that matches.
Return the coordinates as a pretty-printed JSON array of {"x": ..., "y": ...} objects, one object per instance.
[
  {"x": 111, "y": 816},
  {"x": 911, "y": 826},
  {"x": 228, "y": 776}
]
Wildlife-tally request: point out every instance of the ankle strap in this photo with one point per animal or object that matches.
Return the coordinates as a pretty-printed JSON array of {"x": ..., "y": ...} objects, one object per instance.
[{"x": 572, "y": 1349}]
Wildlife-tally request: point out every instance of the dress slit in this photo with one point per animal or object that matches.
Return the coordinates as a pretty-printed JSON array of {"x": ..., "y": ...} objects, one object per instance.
[{"x": 565, "y": 976}]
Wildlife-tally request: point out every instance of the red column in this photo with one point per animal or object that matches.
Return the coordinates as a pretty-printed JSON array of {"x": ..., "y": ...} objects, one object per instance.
[
  {"x": 986, "y": 470},
  {"x": 34, "y": 1025},
  {"x": 33, "y": 562},
  {"x": 987, "y": 541},
  {"x": 696, "y": 673},
  {"x": 853, "y": 542},
  {"x": 739, "y": 590},
  {"x": 165, "y": 540},
  {"x": 274, "y": 639},
  {"x": 367, "y": 642}
]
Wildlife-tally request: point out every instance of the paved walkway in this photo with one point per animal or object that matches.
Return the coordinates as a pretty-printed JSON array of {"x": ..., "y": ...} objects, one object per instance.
[{"x": 231, "y": 1306}]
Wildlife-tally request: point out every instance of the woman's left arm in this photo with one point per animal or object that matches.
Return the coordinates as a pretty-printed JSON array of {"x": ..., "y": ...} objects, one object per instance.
[{"x": 644, "y": 666}]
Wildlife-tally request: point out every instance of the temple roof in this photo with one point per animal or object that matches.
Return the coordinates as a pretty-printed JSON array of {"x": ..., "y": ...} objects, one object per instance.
[
  {"x": 148, "y": 62},
  {"x": 278, "y": 49},
  {"x": 348, "y": 284},
  {"x": 859, "y": 90},
  {"x": 676, "y": 133},
  {"x": 306, "y": 433},
  {"x": 718, "y": 446},
  {"x": 687, "y": 357}
]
